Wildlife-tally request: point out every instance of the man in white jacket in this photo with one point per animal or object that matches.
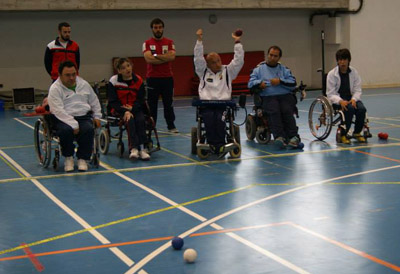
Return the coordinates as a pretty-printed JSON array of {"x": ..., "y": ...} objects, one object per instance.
[
  {"x": 75, "y": 106},
  {"x": 343, "y": 89},
  {"x": 216, "y": 84}
]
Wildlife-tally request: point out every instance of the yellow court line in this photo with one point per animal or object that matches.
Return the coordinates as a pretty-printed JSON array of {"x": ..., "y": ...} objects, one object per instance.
[
  {"x": 13, "y": 168},
  {"x": 201, "y": 163},
  {"x": 12, "y": 147},
  {"x": 127, "y": 219}
]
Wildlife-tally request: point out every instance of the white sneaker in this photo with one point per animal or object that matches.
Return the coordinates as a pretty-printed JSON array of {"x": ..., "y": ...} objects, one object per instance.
[
  {"x": 82, "y": 165},
  {"x": 134, "y": 153},
  {"x": 173, "y": 130},
  {"x": 69, "y": 164},
  {"x": 144, "y": 155}
]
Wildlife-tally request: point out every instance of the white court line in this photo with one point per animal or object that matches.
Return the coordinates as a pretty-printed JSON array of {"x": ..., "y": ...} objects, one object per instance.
[
  {"x": 189, "y": 212},
  {"x": 70, "y": 212},
  {"x": 162, "y": 248}
]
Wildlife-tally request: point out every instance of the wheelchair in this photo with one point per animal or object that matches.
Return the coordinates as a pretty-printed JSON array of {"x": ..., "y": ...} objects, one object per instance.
[
  {"x": 322, "y": 116},
  {"x": 199, "y": 143},
  {"x": 257, "y": 121},
  {"x": 106, "y": 136},
  {"x": 45, "y": 139}
]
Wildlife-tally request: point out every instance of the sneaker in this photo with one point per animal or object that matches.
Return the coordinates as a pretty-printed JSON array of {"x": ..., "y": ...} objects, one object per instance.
[
  {"x": 69, "y": 164},
  {"x": 82, "y": 165},
  {"x": 279, "y": 142},
  {"x": 144, "y": 155},
  {"x": 173, "y": 130},
  {"x": 134, "y": 153},
  {"x": 344, "y": 140},
  {"x": 294, "y": 141},
  {"x": 359, "y": 137}
]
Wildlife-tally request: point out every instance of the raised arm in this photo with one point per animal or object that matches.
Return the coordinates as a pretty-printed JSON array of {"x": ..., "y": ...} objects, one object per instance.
[
  {"x": 236, "y": 64},
  {"x": 199, "y": 61}
]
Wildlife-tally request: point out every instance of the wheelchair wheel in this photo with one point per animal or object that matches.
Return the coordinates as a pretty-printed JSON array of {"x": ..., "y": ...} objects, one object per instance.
[
  {"x": 263, "y": 135},
  {"x": 320, "y": 117},
  {"x": 104, "y": 141},
  {"x": 203, "y": 154},
  {"x": 194, "y": 140},
  {"x": 236, "y": 152},
  {"x": 251, "y": 127},
  {"x": 236, "y": 133},
  {"x": 42, "y": 141},
  {"x": 121, "y": 149}
]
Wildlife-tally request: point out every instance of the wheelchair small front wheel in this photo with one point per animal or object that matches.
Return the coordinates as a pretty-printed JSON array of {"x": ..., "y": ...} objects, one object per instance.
[
  {"x": 263, "y": 135},
  {"x": 121, "y": 149},
  {"x": 104, "y": 141},
  {"x": 202, "y": 153},
  {"x": 235, "y": 153},
  {"x": 251, "y": 127}
]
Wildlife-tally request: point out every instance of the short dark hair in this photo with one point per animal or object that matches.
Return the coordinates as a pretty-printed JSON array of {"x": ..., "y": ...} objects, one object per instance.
[
  {"x": 343, "y": 54},
  {"x": 66, "y": 64},
  {"x": 156, "y": 21},
  {"x": 63, "y": 24},
  {"x": 275, "y": 48},
  {"x": 118, "y": 63}
]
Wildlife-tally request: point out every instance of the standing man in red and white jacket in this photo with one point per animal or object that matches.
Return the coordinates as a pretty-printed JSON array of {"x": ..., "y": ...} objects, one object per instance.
[
  {"x": 159, "y": 52},
  {"x": 60, "y": 50}
]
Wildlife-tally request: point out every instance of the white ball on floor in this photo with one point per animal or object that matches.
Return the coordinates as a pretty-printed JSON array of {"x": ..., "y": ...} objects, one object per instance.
[{"x": 190, "y": 255}]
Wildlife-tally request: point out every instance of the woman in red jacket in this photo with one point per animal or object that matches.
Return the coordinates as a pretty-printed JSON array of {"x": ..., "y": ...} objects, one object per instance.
[{"x": 126, "y": 98}]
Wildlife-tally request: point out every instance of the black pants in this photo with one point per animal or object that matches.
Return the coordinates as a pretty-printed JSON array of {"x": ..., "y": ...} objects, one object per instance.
[
  {"x": 280, "y": 112},
  {"x": 215, "y": 125},
  {"x": 84, "y": 138},
  {"x": 136, "y": 130},
  {"x": 359, "y": 112},
  {"x": 165, "y": 88}
]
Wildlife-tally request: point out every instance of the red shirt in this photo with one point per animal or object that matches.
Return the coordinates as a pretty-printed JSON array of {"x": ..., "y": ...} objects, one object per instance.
[{"x": 161, "y": 46}]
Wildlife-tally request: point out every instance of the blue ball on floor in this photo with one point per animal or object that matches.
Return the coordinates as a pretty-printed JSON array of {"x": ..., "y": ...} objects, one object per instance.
[
  {"x": 300, "y": 146},
  {"x": 177, "y": 243}
]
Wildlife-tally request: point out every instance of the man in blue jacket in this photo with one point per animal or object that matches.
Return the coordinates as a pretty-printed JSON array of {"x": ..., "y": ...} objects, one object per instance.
[{"x": 275, "y": 84}]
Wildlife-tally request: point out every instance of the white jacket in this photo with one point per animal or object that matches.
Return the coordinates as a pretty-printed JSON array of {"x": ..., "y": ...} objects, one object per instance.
[
  {"x": 65, "y": 103},
  {"x": 215, "y": 86},
  {"x": 333, "y": 85}
]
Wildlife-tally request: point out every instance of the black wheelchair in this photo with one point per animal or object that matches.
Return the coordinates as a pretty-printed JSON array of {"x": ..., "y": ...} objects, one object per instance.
[
  {"x": 45, "y": 140},
  {"x": 106, "y": 135},
  {"x": 257, "y": 121},
  {"x": 198, "y": 134},
  {"x": 322, "y": 116}
]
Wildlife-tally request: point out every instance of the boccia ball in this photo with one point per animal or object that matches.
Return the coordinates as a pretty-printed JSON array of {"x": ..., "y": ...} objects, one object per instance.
[
  {"x": 177, "y": 243},
  {"x": 190, "y": 255},
  {"x": 238, "y": 32},
  {"x": 383, "y": 135},
  {"x": 40, "y": 109},
  {"x": 300, "y": 146}
]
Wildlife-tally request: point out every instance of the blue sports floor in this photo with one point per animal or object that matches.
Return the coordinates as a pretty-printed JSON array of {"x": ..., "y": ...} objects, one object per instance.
[{"x": 328, "y": 208}]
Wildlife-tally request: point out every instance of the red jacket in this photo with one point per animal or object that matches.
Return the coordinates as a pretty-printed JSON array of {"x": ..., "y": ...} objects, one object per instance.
[{"x": 56, "y": 53}]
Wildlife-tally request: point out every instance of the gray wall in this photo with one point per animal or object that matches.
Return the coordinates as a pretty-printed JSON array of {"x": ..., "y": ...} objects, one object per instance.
[{"x": 371, "y": 35}]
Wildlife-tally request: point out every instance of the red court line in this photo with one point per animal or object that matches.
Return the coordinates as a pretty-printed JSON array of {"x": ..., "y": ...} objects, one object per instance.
[
  {"x": 39, "y": 267},
  {"x": 377, "y": 156},
  {"x": 348, "y": 248},
  {"x": 136, "y": 242}
]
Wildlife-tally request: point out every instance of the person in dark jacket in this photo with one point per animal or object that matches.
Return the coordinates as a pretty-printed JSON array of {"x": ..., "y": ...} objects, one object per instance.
[{"x": 126, "y": 98}]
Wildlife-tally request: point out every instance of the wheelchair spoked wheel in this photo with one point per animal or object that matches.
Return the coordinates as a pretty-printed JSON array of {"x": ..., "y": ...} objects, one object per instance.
[
  {"x": 263, "y": 135},
  {"x": 320, "y": 118},
  {"x": 104, "y": 141},
  {"x": 42, "y": 139},
  {"x": 121, "y": 149},
  {"x": 251, "y": 127},
  {"x": 95, "y": 157},
  {"x": 194, "y": 140}
]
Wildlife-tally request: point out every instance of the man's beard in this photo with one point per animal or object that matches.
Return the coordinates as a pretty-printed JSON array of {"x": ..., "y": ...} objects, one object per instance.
[{"x": 158, "y": 35}]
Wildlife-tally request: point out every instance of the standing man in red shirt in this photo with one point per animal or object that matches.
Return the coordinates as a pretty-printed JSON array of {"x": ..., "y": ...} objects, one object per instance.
[
  {"x": 60, "y": 50},
  {"x": 158, "y": 52}
]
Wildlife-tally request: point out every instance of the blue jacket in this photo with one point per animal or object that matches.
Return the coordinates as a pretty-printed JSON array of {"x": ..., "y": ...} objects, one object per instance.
[{"x": 263, "y": 72}]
